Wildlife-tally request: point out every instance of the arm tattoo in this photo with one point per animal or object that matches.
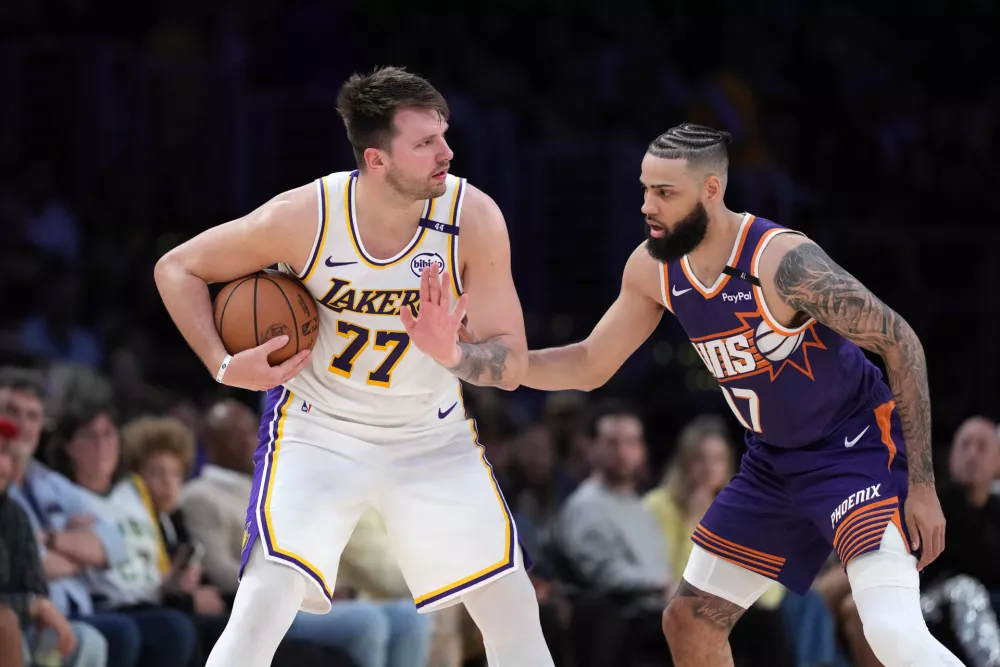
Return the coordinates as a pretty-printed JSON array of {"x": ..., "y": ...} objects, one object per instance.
[
  {"x": 709, "y": 608},
  {"x": 812, "y": 283},
  {"x": 482, "y": 363}
]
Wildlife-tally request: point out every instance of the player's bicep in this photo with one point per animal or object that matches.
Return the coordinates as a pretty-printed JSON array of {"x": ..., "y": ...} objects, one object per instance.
[
  {"x": 809, "y": 281},
  {"x": 279, "y": 231},
  {"x": 493, "y": 306},
  {"x": 624, "y": 327},
  {"x": 629, "y": 321}
]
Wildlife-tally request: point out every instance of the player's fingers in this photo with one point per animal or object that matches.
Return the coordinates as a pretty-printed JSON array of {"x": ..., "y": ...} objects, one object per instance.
[
  {"x": 459, "y": 312},
  {"x": 406, "y": 317},
  {"x": 270, "y": 345},
  {"x": 434, "y": 281},
  {"x": 446, "y": 289},
  {"x": 296, "y": 369},
  {"x": 912, "y": 529},
  {"x": 425, "y": 285},
  {"x": 296, "y": 360}
]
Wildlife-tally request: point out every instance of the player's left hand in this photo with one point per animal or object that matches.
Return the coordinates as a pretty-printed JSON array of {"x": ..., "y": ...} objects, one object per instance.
[
  {"x": 435, "y": 329},
  {"x": 924, "y": 522}
]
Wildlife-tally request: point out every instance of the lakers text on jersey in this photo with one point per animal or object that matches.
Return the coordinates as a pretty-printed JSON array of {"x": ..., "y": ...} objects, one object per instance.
[{"x": 373, "y": 422}]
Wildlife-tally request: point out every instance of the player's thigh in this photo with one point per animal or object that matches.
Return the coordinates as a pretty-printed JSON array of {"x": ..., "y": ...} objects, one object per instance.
[
  {"x": 311, "y": 485},
  {"x": 754, "y": 525},
  {"x": 855, "y": 486},
  {"x": 446, "y": 517}
]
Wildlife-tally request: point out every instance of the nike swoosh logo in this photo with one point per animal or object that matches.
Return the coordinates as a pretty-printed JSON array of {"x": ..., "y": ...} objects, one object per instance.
[
  {"x": 677, "y": 292},
  {"x": 851, "y": 443},
  {"x": 442, "y": 415},
  {"x": 332, "y": 264}
]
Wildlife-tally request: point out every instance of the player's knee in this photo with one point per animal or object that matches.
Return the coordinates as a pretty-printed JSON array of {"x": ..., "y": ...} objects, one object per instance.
[{"x": 892, "y": 642}]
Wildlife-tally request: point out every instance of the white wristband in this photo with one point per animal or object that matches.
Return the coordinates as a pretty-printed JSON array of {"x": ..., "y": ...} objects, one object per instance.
[{"x": 222, "y": 368}]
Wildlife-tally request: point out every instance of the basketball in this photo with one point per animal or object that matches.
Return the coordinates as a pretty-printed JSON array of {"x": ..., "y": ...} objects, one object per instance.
[{"x": 254, "y": 309}]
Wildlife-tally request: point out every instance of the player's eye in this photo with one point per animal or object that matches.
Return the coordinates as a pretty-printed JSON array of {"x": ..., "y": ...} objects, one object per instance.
[{"x": 664, "y": 194}]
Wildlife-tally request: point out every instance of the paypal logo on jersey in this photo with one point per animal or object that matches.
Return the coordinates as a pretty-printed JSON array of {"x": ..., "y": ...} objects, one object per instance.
[
  {"x": 736, "y": 298},
  {"x": 425, "y": 259}
]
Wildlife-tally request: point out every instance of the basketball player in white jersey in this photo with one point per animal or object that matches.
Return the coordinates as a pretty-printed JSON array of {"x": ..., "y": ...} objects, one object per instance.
[{"x": 373, "y": 416}]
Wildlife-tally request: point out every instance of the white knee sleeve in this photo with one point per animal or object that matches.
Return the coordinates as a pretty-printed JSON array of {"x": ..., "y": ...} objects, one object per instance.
[
  {"x": 266, "y": 604},
  {"x": 707, "y": 572},
  {"x": 886, "y": 590},
  {"x": 506, "y": 613}
]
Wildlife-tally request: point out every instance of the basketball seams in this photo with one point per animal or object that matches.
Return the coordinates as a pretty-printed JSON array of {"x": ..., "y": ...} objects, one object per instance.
[
  {"x": 222, "y": 313},
  {"x": 295, "y": 320}
]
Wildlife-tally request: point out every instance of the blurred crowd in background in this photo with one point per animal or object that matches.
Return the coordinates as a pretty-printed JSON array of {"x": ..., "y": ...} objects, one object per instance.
[{"x": 127, "y": 129}]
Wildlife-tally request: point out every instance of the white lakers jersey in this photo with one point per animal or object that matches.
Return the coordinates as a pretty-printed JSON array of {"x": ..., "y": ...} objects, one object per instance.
[{"x": 364, "y": 368}]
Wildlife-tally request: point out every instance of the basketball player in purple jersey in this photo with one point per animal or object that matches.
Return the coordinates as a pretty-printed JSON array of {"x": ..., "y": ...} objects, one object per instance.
[{"x": 836, "y": 457}]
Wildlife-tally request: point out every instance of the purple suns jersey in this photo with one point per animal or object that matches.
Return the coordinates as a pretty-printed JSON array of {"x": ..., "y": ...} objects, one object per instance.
[{"x": 789, "y": 387}]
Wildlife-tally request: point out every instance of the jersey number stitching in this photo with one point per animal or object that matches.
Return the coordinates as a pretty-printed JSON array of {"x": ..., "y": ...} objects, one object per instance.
[
  {"x": 396, "y": 342},
  {"x": 754, "y": 401}
]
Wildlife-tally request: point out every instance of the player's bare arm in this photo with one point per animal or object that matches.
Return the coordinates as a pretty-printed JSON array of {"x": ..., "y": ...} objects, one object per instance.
[
  {"x": 499, "y": 357},
  {"x": 499, "y": 354},
  {"x": 624, "y": 327},
  {"x": 279, "y": 231},
  {"x": 798, "y": 275}
]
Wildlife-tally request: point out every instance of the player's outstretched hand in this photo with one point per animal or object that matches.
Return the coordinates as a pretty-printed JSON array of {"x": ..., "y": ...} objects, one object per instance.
[
  {"x": 435, "y": 329},
  {"x": 924, "y": 522},
  {"x": 249, "y": 369}
]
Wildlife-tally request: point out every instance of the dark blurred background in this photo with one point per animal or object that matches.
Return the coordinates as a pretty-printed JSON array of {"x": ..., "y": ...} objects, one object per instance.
[{"x": 128, "y": 128}]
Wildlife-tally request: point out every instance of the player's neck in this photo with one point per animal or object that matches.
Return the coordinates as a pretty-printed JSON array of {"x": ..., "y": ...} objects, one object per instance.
[
  {"x": 712, "y": 254},
  {"x": 384, "y": 212}
]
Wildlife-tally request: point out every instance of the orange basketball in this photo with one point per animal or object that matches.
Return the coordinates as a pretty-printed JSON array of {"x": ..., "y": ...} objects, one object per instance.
[{"x": 253, "y": 309}]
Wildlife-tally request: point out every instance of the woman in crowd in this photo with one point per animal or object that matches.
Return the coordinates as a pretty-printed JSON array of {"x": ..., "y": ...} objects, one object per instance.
[{"x": 86, "y": 449}]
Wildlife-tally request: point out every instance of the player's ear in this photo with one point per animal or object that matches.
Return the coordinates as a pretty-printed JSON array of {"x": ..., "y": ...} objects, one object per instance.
[
  {"x": 373, "y": 158},
  {"x": 713, "y": 188}
]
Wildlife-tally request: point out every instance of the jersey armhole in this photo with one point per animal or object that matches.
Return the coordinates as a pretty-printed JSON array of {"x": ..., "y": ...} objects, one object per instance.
[
  {"x": 759, "y": 291},
  {"x": 323, "y": 217},
  {"x": 455, "y": 214},
  {"x": 664, "y": 281}
]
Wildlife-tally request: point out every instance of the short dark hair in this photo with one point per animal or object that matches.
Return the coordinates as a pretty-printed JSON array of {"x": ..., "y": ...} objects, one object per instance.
[
  {"x": 368, "y": 104},
  {"x": 76, "y": 415},
  {"x": 28, "y": 380},
  {"x": 701, "y": 146},
  {"x": 610, "y": 408}
]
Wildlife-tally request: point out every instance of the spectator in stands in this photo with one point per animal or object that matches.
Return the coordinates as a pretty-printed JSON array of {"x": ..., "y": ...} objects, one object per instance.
[
  {"x": 86, "y": 448},
  {"x": 608, "y": 535},
  {"x": 74, "y": 541},
  {"x": 957, "y": 587},
  {"x": 216, "y": 507},
  {"x": 22, "y": 580},
  {"x": 160, "y": 450}
]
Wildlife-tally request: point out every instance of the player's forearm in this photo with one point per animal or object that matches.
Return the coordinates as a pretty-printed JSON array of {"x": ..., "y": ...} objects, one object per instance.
[
  {"x": 558, "y": 368},
  {"x": 496, "y": 362},
  {"x": 906, "y": 369},
  {"x": 186, "y": 298}
]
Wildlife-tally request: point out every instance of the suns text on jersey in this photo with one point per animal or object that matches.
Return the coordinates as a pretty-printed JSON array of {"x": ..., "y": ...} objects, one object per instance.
[{"x": 343, "y": 297}]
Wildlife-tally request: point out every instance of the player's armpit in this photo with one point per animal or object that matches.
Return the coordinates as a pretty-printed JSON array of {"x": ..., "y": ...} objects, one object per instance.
[
  {"x": 809, "y": 281},
  {"x": 624, "y": 327},
  {"x": 499, "y": 356}
]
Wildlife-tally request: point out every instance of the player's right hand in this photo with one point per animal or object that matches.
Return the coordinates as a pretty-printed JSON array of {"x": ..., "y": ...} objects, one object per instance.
[{"x": 249, "y": 369}]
